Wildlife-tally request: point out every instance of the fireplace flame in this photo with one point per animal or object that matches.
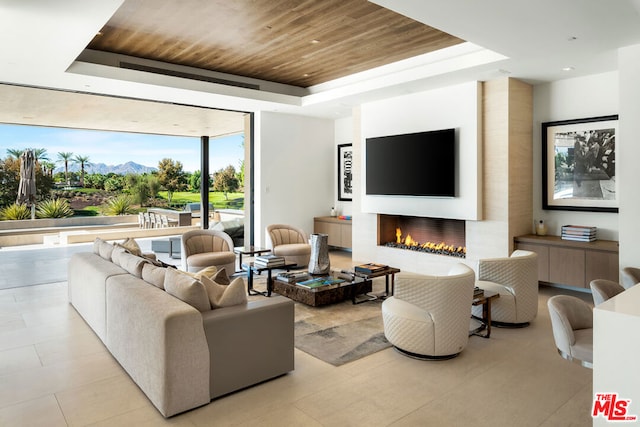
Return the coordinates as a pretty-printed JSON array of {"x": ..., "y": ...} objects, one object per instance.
[{"x": 440, "y": 248}]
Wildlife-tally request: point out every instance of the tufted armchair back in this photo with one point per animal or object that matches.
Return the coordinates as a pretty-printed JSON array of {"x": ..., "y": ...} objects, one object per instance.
[
  {"x": 282, "y": 234},
  {"x": 201, "y": 241},
  {"x": 445, "y": 302},
  {"x": 518, "y": 274}
]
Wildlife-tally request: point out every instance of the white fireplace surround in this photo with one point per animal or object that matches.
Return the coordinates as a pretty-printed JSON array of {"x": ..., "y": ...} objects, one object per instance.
[{"x": 457, "y": 107}]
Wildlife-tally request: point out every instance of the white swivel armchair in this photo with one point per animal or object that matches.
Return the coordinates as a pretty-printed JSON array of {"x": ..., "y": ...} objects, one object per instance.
[
  {"x": 572, "y": 323},
  {"x": 515, "y": 278},
  {"x": 428, "y": 316}
]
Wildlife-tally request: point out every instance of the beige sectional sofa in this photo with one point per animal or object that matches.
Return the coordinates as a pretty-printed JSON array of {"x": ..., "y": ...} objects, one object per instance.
[{"x": 179, "y": 356}]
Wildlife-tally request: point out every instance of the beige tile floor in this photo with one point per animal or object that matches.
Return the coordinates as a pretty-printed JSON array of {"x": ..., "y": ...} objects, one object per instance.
[{"x": 55, "y": 372}]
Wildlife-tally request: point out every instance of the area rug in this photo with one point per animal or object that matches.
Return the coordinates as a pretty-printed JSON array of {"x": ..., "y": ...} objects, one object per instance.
[
  {"x": 341, "y": 344},
  {"x": 337, "y": 333}
]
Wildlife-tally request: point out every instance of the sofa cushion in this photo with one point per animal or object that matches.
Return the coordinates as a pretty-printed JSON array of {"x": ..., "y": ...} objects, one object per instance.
[
  {"x": 102, "y": 248},
  {"x": 225, "y": 295},
  {"x": 153, "y": 274},
  {"x": 131, "y": 263},
  {"x": 186, "y": 289},
  {"x": 116, "y": 252}
]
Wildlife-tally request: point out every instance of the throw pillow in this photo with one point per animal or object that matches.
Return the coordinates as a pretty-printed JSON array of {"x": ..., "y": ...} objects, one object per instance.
[
  {"x": 208, "y": 271},
  {"x": 154, "y": 275},
  {"x": 132, "y": 246},
  {"x": 225, "y": 295},
  {"x": 221, "y": 277},
  {"x": 186, "y": 289}
]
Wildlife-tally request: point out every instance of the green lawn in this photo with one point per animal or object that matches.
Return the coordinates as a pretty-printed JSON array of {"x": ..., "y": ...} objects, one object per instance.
[{"x": 236, "y": 200}]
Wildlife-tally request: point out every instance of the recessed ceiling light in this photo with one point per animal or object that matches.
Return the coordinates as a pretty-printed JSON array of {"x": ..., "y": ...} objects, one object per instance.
[
  {"x": 305, "y": 75},
  {"x": 315, "y": 41},
  {"x": 568, "y": 68}
]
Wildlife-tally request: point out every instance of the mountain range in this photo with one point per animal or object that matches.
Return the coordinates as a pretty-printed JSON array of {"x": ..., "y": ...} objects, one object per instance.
[{"x": 123, "y": 169}]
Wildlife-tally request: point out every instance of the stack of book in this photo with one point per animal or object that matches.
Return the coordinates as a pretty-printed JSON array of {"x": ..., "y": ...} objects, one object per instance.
[
  {"x": 579, "y": 233},
  {"x": 369, "y": 268},
  {"x": 268, "y": 260},
  {"x": 294, "y": 276}
]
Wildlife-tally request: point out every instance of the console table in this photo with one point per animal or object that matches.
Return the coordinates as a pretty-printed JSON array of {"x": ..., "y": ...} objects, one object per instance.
[
  {"x": 571, "y": 263},
  {"x": 338, "y": 230}
]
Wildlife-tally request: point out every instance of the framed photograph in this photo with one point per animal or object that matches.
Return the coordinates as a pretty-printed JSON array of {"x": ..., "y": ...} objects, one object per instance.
[
  {"x": 345, "y": 172},
  {"x": 579, "y": 164}
]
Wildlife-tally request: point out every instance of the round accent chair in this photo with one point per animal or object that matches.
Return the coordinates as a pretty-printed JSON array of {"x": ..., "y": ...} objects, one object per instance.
[
  {"x": 204, "y": 248},
  {"x": 572, "y": 325},
  {"x": 428, "y": 316},
  {"x": 515, "y": 278},
  {"x": 289, "y": 242}
]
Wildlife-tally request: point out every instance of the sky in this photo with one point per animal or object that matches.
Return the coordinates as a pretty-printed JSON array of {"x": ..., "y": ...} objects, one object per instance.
[{"x": 115, "y": 148}]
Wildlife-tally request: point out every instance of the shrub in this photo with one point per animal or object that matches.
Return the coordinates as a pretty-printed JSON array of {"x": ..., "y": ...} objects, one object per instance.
[
  {"x": 15, "y": 211},
  {"x": 54, "y": 208},
  {"x": 120, "y": 205}
]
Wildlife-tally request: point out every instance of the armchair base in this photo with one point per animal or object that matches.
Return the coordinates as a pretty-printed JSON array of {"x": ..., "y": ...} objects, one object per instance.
[
  {"x": 508, "y": 325},
  {"x": 424, "y": 356}
]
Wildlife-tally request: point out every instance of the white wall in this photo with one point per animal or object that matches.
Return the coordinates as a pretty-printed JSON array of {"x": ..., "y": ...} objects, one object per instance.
[
  {"x": 629, "y": 154},
  {"x": 294, "y": 170},
  {"x": 576, "y": 98},
  {"x": 451, "y": 107}
]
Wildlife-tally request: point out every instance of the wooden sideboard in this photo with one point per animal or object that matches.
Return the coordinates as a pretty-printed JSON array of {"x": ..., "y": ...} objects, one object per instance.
[
  {"x": 339, "y": 230},
  {"x": 569, "y": 263}
]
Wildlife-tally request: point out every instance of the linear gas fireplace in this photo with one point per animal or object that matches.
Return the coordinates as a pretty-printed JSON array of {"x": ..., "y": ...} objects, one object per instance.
[{"x": 430, "y": 235}]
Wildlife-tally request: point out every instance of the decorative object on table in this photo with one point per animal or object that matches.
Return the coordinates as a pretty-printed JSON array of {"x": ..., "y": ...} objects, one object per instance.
[
  {"x": 345, "y": 217},
  {"x": 319, "y": 261},
  {"x": 345, "y": 172},
  {"x": 541, "y": 228},
  {"x": 578, "y": 164},
  {"x": 333, "y": 212},
  {"x": 579, "y": 233}
]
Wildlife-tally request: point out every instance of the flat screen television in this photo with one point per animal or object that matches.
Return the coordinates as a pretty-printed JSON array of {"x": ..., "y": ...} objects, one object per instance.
[{"x": 415, "y": 164}]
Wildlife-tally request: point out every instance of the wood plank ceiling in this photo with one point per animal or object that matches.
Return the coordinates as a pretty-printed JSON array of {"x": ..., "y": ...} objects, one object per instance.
[{"x": 295, "y": 42}]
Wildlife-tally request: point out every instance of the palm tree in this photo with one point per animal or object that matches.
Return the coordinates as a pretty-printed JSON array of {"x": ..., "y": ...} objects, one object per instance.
[
  {"x": 82, "y": 161},
  {"x": 48, "y": 167},
  {"x": 14, "y": 152},
  {"x": 64, "y": 157},
  {"x": 39, "y": 153}
]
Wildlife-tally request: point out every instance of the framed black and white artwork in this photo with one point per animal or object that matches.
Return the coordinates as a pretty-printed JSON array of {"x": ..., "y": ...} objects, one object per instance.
[
  {"x": 345, "y": 172},
  {"x": 579, "y": 164}
]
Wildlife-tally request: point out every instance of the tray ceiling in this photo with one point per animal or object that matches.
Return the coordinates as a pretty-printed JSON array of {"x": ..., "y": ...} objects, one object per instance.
[{"x": 295, "y": 42}]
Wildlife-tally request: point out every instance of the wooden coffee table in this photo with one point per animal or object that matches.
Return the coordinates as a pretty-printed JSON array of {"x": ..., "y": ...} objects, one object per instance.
[{"x": 327, "y": 294}]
